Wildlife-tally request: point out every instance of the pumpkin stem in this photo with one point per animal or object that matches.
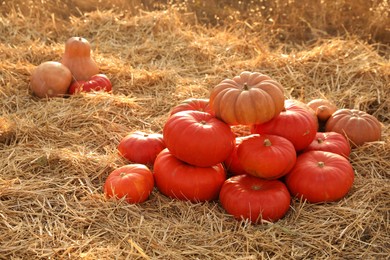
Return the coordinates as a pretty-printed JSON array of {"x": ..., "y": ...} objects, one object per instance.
[
  {"x": 123, "y": 174},
  {"x": 267, "y": 142},
  {"x": 320, "y": 140},
  {"x": 256, "y": 187},
  {"x": 321, "y": 164},
  {"x": 246, "y": 87}
]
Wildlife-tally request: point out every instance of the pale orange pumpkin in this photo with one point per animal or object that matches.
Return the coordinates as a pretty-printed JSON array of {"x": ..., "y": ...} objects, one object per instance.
[
  {"x": 77, "y": 57},
  {"x": 50, "y": 79},
  {"x": 358, "y": 126},
  {"x": 323, "y": 108},
  {"x": 249, "y": 98}
]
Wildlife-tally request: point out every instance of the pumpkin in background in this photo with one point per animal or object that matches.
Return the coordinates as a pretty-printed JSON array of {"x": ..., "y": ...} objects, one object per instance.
[
  {"x": 198, "y": 138},
  {"x": 323, "y": 108},
  {"x": 249, "y": 98},
  {"x": 98, "y": 82},
  {"x": 50, "y": 79},
  {"x": 141, "y": 147},
  {"x": 330, "y": 142},
  {"x": 134, "y": 182},
  {"x": 297, "y": 123},
  {"x": 179, "y": 180},
  {"x": 358, "y": 126},
  {"x": 266, "y": 156},
  {"x": 77, "y": 57},
  {"x": 197, "y": 104},
  {"x": 232, "y": 163},
  {"x": 246, "y": 197},
  {"x": 320, "y": 176}
]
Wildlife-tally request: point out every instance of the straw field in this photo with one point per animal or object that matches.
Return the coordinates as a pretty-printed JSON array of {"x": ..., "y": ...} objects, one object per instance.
[{"x": 55, "y": 154}]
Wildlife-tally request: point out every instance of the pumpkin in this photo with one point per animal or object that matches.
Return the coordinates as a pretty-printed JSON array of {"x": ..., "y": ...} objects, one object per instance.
[
  {"x": 198, "y": 138},
  {"x": 179, "y": 180},
  {"x": 246, "y": 197},
  {"x": 232, "y": 163},
  {"x": 323, "y": 108},
  {"x": 297, "y": 123},
  {"x": 330, "y": 142},
  {"x": 141, "y": 147},
  {"x": 197, "y": 104},
  {"x": 77, "y": 57},
  {"x": 134, "y": 182},
  {"x": 249, "y": 98},
  {"x": 320, "y": 176},
  {"x": 358, "y": 126},
  {"x": 98, "y": 82},
  {"x": 50, "y": 79},
  {"x": 266, "y": 156}
]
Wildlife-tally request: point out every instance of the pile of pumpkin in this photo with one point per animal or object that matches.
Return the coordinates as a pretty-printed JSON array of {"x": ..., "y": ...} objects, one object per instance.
[
  {"x": 76, "y": 72},
  {"x": 293, "y": 149}
]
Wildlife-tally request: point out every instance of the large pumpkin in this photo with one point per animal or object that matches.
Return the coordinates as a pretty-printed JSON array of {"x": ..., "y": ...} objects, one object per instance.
[
  {"x": 198, "y": 138},
  {"x": 250, "y": 98},
  {"x": 358, "y": 126},
  {"x": 266, "y": 156},
  {"x": 179, "y": 180},
  {"x": 297, "y": 123},
  {"x": 320, "y": 176}
]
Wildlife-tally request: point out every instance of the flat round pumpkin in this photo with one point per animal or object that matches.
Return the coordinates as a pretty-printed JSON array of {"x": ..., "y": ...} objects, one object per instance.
[
  {"x": 250, "y": 98},
  {"x": 358, "y": 126}
]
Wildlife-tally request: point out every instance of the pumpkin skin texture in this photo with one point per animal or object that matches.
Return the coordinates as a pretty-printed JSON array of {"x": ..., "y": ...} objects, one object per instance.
[
  {"x": 323, "y": 108},
  {"x": 266, "y": 156},
  {"x": 135, "y": 182},
  {"x": 98, "y": 82},
  {"x": 197, "y": 104},
  {"x": 232, "y": 163},
  {"x": 249, "y": 98},
  {"x": 320, "y": 177},
  {"x": 296, "y": 122},
  {"x": 77, "y": 57},
  {"x": 330, "y": 142},
  {"x": 179, "y": 180},
  {"x": 358, "y": 126},
  {"x": 50, "y": 79},
  {"x": 198, "y": 138},
  {"x": 246, "y": 197},
  {"x": 141, "y": 147}
]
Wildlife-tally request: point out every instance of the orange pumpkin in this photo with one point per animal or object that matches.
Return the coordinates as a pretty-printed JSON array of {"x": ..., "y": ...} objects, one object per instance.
[
  {"x": 358, "y": 126},
  {"x": 323, "y": 108},
  {"x": 77, "y": 57},
  {"x": 249, "y": 98},
  {"x": 50, "y": 79}
]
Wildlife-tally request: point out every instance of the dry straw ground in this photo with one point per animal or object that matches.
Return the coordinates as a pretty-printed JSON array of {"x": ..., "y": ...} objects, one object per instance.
[{"x": 55, "y": 154}]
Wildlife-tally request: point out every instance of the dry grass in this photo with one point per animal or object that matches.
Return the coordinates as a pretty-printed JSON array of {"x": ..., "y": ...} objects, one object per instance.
[{"x": 55, "y": 154}]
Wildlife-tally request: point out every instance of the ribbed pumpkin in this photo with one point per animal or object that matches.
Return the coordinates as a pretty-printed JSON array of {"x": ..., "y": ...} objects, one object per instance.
[
  {"x": 297, "y": 123},
  {"x": 77, "y": 57},
  {"x": 249, "y": 98},
  {"x": 358, "y": 126}
]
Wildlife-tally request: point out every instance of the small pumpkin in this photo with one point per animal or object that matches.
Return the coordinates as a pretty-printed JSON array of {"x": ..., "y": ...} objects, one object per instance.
[
  {"x": 323, "y": 108},
  {"x": 77, "y": 57},
  {"x": 358, "y": 126},
  {"x": 50, "y": 79},
  {"x": 98, "y": 82},
  {"x": 249, "y": 98}
]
